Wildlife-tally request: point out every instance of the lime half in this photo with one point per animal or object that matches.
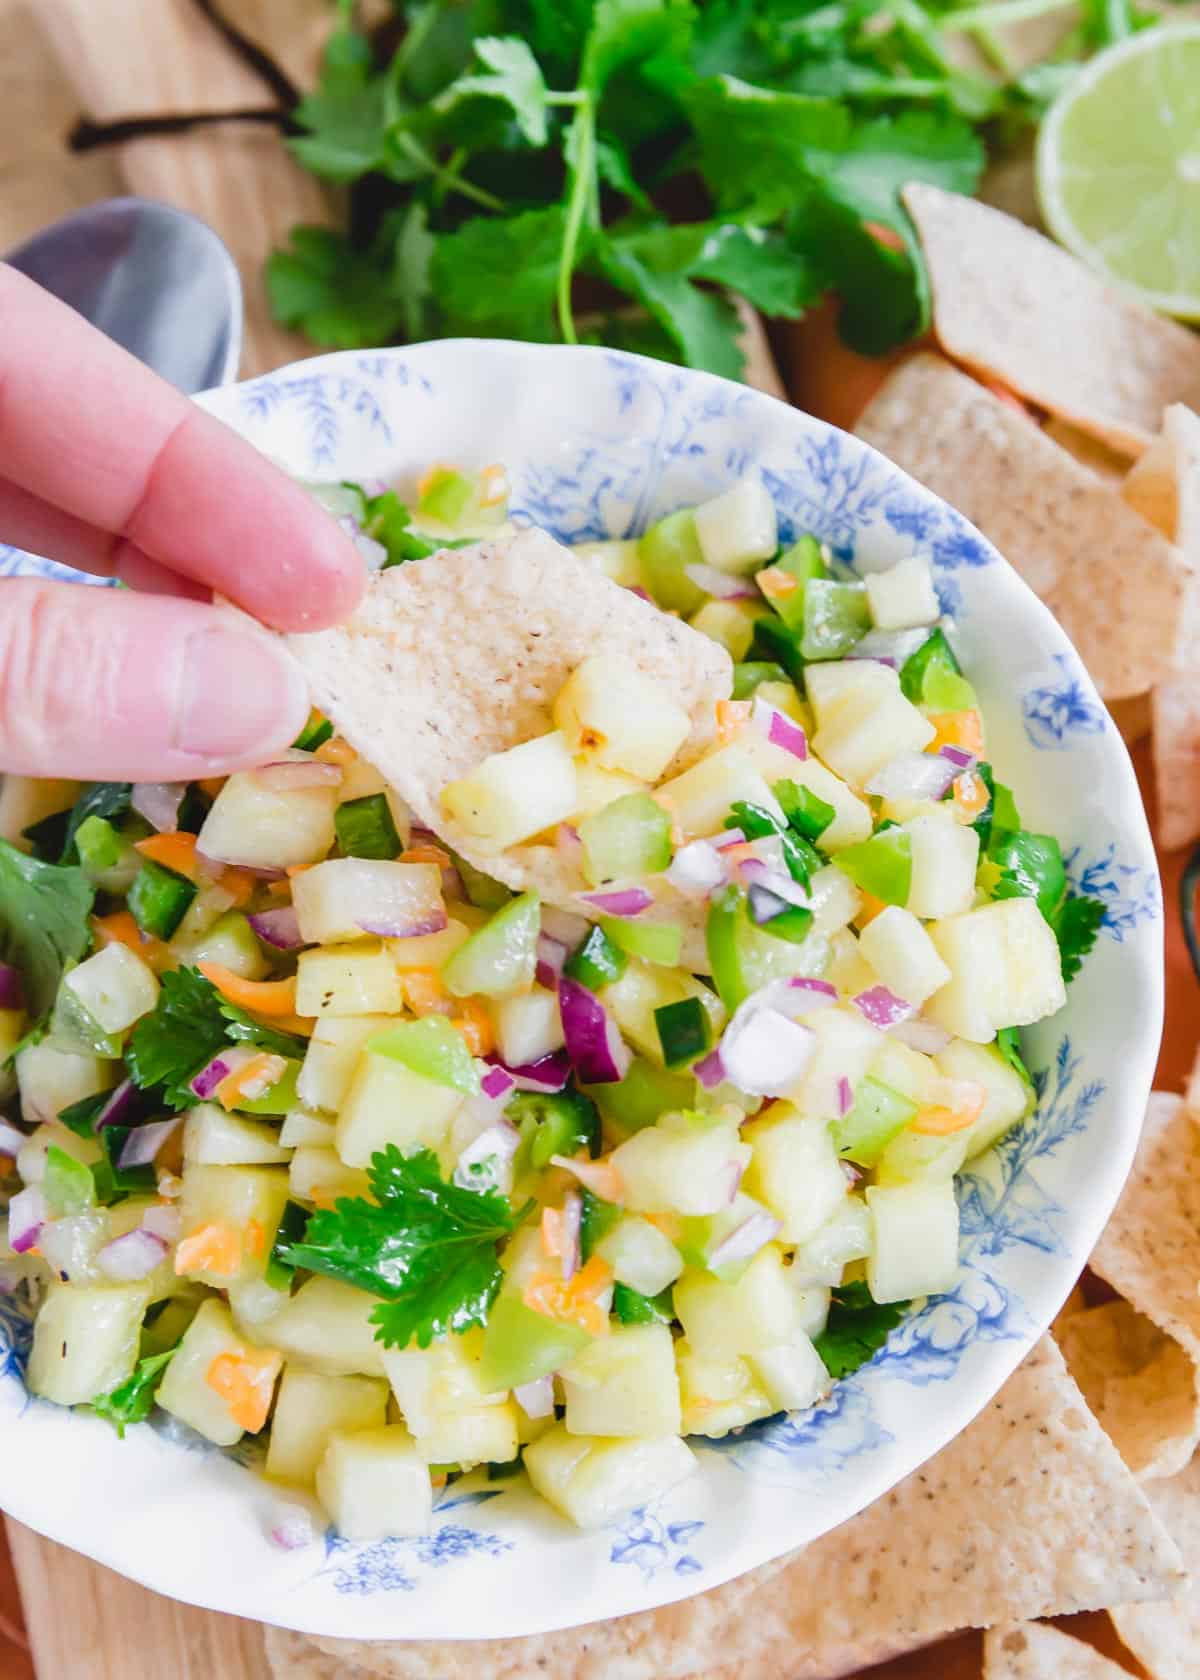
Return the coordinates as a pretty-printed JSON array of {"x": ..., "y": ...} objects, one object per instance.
[{"x": 1118, "y": 167}]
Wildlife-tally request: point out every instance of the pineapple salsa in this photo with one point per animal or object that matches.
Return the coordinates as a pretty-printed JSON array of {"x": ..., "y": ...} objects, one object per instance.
[{"x": 316, "y": 1131}]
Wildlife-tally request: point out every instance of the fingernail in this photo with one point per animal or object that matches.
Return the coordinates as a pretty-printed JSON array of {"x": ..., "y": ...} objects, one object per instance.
[{"x": 238, "y": 694}]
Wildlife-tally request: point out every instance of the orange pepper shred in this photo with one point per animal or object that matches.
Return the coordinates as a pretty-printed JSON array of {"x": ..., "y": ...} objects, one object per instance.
[
  {"x": 265, "y": 997},
  {"x": 246, "y": 1382},
  {"x": 957, "y": 729},
  {"x": 475, "y": 1025},
  {"x": 214, "y": 1248},
  {"x": 176, "y": 852}
]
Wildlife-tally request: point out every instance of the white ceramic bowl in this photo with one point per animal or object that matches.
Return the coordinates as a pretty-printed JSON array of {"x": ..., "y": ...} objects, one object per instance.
[{"x": 598, "y": 444}]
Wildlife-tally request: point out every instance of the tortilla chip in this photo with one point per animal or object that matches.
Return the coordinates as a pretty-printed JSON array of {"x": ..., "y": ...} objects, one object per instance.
[
  {"x": 1133, "y": 716},
  {"x": 1010, "y": 303},
  {"x": 1071, "y": 537},
  {"x": 291, "y": 1656},
  {"x": 450, "y": 659},
  {"x": 1106, "y": 463},
  {"x": 1150, "y": 1249},
  {"x": 1165, "y": 1638},
  {"x": 1029, "y": 1512},
  {"x": 1139, "y": 1383},
  {"x": 1029, "y": 1651},
  {"x": 1076, "y": 1302}
]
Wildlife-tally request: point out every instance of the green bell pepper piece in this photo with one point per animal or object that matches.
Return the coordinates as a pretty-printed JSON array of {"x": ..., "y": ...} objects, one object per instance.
[
  {"x": 597, "y": 962},
  {"x": 654, "y": 942},
  {"x": 365, "y": 828},
  {"x": 878, "y": 1114},
  {"x": 645, "y": 1093},
  {"x": 431, "y": 1048},
  {"x": 520, "y": 1345},
  {"x": 932, "y": 677},
  {"x": 632, "y": 1307},
  {"x": 665, "y": 551},
  {"x": 750, "y": 675},
  {"x": 836, "y": 616},
  {"x": 881, "y": 865},
  {"x": 629, "y": 837},
  {"x": 501, "y": 957}
]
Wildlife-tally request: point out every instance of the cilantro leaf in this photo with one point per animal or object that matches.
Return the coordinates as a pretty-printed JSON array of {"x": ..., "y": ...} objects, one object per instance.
[
  {"x": 182, "y": 1034},
  {"x": 498, "y": 276},
  {"x": 1008, "y": 1042},
  {"x": 346, "y": 115},
  {"x": 428, "y": 1249},
  {"x": 133, "y": 1400},
  {"x": 704, "y": 325},
  {"x": 44, "y": 910},
  {"x": 241, "y": 1028},
  {"x": 339, "y": 296},
  {"x": 856, "y": 1329},
  {"x": 513, "y": 76},
  {"x": 1076, "y": 926},
  {"x": 1031, "y": 866}
]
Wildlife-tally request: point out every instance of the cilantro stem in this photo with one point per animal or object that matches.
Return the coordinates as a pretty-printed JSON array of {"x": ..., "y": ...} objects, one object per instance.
[
  {"x": 574, "y": 96},
  {"x": 581, "y": 150},
  {"x": 447, "y": 176},
  {"x": 1002, "y": 11},
  {"x": 993, "y": 49}
]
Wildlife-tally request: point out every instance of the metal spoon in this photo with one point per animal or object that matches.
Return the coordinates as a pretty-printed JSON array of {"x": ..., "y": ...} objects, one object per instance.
[{"x": 157, "y": 280}]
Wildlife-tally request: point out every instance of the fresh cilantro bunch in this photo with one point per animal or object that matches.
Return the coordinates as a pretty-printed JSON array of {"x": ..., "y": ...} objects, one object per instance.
[
  {"x": 425, "y": 1247},
  {"x": 856, "y": 1329},
  {"x": 190, "y": 1024}
]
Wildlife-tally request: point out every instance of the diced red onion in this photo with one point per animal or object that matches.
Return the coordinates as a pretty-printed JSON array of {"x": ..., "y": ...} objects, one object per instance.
[
  {"x": 710, "y": 1070},
  {"x": 925, "y": 1036},
  {"x": 779, "y": 729},
  {"x": 144, "y": 1143},
  {"x": 12, "y": 1141},
  {"x": 852, "y": 1173},
  {"x": 642, "y": 594},
  {"x": 497, "y": 1083},
  {"x": 721, "y": 585},
  {"x": 845, "y": 1096},
  {"x": 205, "y": 1083},
  {"x": 892, "y": 663},
  {"x": 12, "y": 991},
  {"x": 497, "y": 1143},
  {"x": 821, "y": 992},
  {"x": 277, "y": 928},
  {"x": 753, "y": 872},
  {"x": 210, "y": 866},
  {"x": 551, "y": 957},
  {"x": 159, "y": 803},
  {"x": 133, "y": 1256},
  {"x": 124, "y": 1106},
  {"x": 958, "y": 756},
  {"x": 882, "y": 1007},
  {"x": 568, "y": 845},
  {"x": 436, "y": 922},
  {"x": 765, "y": 905},
  {"x": 597, "y": 1051},
  {"x": 730, "y": 837},
  {"x": 549, "y": 1073},
  {"x": 301, "y": 771},
  {"x": 536, "y": 1398},
  {"x": 572, "y": 1225},
  {"x": 569, "y": 929},
  {"x": 764, "y": 1052},
  {"x": 26, "y": 1216},
  {"x": 745, "y": 1240},
  {"x": 889, "y": 647},
  {"x": 165, "y": 1223},
  {"x": 733, "y": 1185},
  {"x": 292, "y": 1528},
  {"x": 696, "y": 868},
  {"x": 623, "y": 901},
  {"x": 913, "y": 775}
]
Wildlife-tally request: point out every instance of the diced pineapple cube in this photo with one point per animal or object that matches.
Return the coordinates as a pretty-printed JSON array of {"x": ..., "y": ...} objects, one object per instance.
[
  {"x": 115, "y": 987},
  {"x": 374, "y": 1483},
  {"x": 311, "y": 1406},
  {"x": 822, "y": 1260},
  {"x": 389, "y": 1103},
  {"x": 483, "y": 1435},
  {"x": 593, "y": 1479},
  {"x": 26, "y": 800},
  {"x": 85, "y": 1341},
  {"x": 347, "y": 898},
  {"x": 348, "y": 980},
  {"x": 945, "y": 856},
  {"x": 359, "y": 781},
  {"x": 268, "y": 828},
  {"x": 851, "y": 815},
  {"x": 214, "y": 1138},
  {"x": 738, "y": 530},
  {"x": 863, "y": 729},
  {"x": 327, "y": 1325},
  {"x": 51, "y": 1078},
  {"x": 911, "y": 1157},
  {"x": 792, "y": 1373},
  {"x": 681, "y": 1165},
  {"x": 903, "y": 1070},
  {"x": 848, "y": 969},
  {"x": 729, "y": 622},
  {"x": 246, "y": 1200},
  {"x": 645, "y": 987},
  {"x": 301, "y": 1126},
  {"x": 440, "y": 1379},
  {"x": 596, "y": 787},
  {"x": 903, "y": 955},
  {"x": 333, "y": 1052},
  {"x": 624, "y": 1384},
  {"x": 318, "y": 1174},
  {"x": 759, "y": 1310},
  {"x": 429, "y": 950},
  {"x": 914, "y": 1240},
  {"x": 1008, "y": 1098},
  {"x": 833, "y": 899},
  {"x": 187, "y": 1391},
  {"x": 700, "y": 798},
  {"x": 783, "y": 696},
  {"x": 718, "y": 1392},
  {"x": 1005, "y": 969},
  {"x": 903, "y": 597},
  {"x": 640, "y": 1255},
  {"x": 610, "y": 711},
  {"x": 617, "y": 557},
  {"x": 527, "y": 1026},
  {"x": 794, "y": 1169},
  {"x": 835, "y": 683},
  {"x": 516, "y": 794},
  {"x": 846, "y": 1044}
]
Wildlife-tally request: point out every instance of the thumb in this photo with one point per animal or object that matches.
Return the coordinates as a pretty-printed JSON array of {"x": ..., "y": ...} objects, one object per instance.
[{"x": 103, "y": 684}]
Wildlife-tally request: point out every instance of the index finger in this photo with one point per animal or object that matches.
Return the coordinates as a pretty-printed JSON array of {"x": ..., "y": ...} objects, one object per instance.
[{"x": 89, "y": 429}]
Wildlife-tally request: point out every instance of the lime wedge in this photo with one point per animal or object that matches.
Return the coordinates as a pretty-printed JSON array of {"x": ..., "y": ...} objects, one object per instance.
[{"x": 1118, "y": 167}]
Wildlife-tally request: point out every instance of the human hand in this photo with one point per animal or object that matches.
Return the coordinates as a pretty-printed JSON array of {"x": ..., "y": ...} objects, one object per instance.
[{"x": 106, "y": 467}]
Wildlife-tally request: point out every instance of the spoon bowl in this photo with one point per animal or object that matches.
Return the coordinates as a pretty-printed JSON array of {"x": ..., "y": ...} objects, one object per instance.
[{"x": 157, "y": 280}]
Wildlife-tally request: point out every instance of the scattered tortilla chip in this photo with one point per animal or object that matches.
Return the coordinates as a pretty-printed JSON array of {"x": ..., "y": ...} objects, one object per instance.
[
  {"x": 1076, "y": 1302},
  {"x": 1150, "y": 1249},
  {"x": 1009, "y": 302},
  {"x": 1106, "y": 463},
  {"x": 1029, "y": 1512},
  {"x": 1139, "y": 1383},
  {"x": 450, "y": 659},
  {"x": 1029, "y": 1651},
  {"x": 291, "y": 1656},
  {"x": 1134, "y": 716},
  {"x": 1164, "y": 487},
  {"x": 1071, "y": 537},
  {"x": 1165, "y": 1638}
]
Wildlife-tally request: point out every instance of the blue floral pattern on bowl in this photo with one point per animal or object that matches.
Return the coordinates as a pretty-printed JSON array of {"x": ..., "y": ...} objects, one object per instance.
[{"x": 599, "y": 444}]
